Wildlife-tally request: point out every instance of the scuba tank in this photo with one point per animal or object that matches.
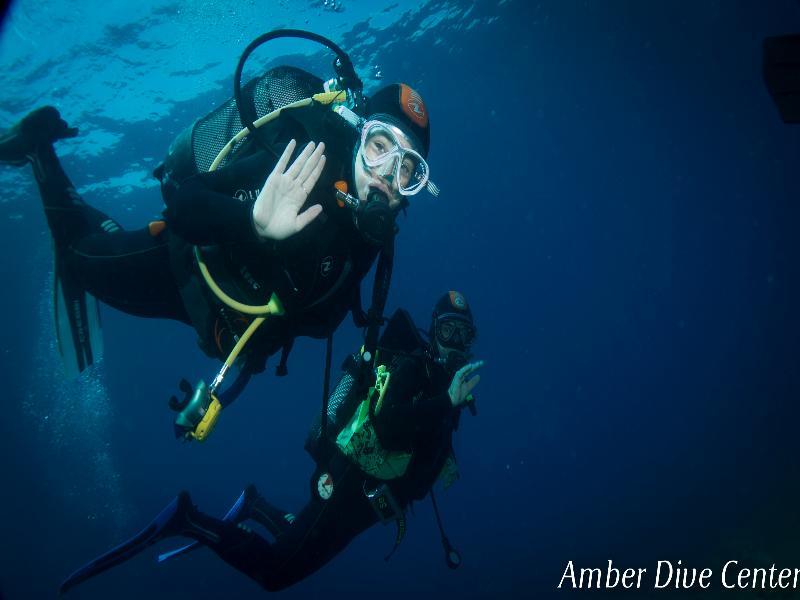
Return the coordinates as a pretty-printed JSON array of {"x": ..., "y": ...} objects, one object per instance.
[{"x": 195, "y": 149}]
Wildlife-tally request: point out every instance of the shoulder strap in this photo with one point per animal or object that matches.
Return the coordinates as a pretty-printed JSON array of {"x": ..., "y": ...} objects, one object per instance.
[
  {"x": 380, "y": 292},
  {"x": 326, "y": 391}
]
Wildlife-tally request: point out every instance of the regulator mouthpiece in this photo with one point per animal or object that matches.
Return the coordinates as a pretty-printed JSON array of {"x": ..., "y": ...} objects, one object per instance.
[{"x": 373, "y": 218}]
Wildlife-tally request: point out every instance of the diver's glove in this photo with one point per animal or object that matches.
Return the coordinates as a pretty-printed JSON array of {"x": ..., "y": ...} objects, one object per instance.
[{"x": 460, "y": 390}]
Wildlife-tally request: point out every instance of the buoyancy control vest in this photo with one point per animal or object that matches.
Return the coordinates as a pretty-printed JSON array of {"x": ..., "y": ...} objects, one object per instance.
[
  {"x": 355, "y": 407},
  {"x": 316, "y": 273}
]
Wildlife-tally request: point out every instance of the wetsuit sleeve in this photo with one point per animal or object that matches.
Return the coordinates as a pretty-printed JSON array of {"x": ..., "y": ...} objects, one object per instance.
[
  {"x": 203, "y": 216},
  {"x": 203, "y": 209}
]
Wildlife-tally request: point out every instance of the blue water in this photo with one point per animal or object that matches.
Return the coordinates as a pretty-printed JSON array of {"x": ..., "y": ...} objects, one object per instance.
[{"x": 620, "y": 205}]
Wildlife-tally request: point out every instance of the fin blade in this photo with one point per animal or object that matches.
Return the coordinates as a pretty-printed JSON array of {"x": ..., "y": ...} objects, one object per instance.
[
  {"x": 166, "y": 524},
  {"x": 233, "y": 515},
  {"x": 112, "y": 558},
  {"x": 165, "y": 556},
  {"x": 78, "y": 329}
]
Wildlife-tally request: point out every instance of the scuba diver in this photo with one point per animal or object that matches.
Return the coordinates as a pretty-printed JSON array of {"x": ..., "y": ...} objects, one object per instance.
[
  {"x": 268, "y": 241},
  {"x": 384, "y": 438}
]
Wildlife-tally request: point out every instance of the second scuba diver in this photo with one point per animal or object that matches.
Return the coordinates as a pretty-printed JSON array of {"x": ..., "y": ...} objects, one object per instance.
[
  {"x": 262, "y": 249},
  {"x": 383, "y": 440}
]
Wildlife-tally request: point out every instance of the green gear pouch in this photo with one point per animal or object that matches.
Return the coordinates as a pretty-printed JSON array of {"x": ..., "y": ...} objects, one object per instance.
[
  {"x": 449, "y": 472},
  {"x": 359, "y": 442}
]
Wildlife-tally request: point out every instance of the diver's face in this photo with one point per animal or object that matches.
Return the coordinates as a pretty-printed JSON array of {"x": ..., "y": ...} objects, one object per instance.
[
  {"x": 454, "y": 346},
  {"x": 382, "y": 177},
  {"x": 444, "y": 351},
  {"x": 454, "y": 338},
  {"x": 452, "y": 358}
]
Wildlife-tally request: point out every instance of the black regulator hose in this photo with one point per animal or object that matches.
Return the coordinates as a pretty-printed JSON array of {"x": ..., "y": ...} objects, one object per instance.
[{"x": 343, "y": 66}]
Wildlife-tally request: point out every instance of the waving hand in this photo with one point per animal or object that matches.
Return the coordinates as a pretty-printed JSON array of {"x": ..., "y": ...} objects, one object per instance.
[
  {"x": 461, "y": 387},
  {"x": 276, "y": 212}
]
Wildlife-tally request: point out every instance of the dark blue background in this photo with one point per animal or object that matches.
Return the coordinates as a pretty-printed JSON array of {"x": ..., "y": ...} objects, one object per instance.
[{"x": 620, "y": 202}]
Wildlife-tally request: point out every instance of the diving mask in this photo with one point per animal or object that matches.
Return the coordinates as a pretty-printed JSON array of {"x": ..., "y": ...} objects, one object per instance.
[
  {"x": 454, "y": 332},
  {"x": 382, "y": 152}
]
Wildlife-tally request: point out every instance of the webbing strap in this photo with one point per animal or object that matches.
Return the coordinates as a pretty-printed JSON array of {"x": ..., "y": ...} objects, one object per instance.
[
  {"x": 401, "y": 532},
  {"x": 380, "y": 292},
  {"x": 326, "y": 384}
]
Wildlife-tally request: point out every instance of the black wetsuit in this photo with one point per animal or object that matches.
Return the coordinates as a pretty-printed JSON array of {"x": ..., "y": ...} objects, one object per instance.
[
  {"x": 151, "y": 272},
  {"x": 417, "y": 417}
]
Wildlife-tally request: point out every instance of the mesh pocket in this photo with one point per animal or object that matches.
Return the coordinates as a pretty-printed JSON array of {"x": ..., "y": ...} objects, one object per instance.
[
  {"x": 276, "y": 88},
  {"x": 340, "y": 400},
  {"x": 341, "y": 406}
]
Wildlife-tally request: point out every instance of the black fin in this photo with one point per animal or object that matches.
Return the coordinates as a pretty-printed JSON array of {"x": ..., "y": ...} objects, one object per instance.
[
  {"x": 168, "y": 523},
  {"x": 77, "y": 317}
]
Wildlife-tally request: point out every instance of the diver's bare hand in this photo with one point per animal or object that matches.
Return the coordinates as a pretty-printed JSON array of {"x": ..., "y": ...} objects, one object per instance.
[
  {"x": 275, "y": 212},
  {"x": 461, "y": 387}
]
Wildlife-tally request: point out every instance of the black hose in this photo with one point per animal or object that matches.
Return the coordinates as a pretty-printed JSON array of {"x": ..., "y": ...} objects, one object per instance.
[
  {"x": 326, "y": 388},
  {"x": 345, "y": 70}
]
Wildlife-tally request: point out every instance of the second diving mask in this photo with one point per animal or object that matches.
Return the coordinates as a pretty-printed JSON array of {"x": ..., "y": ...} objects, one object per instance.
[{"x": 454, "y": 332}]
